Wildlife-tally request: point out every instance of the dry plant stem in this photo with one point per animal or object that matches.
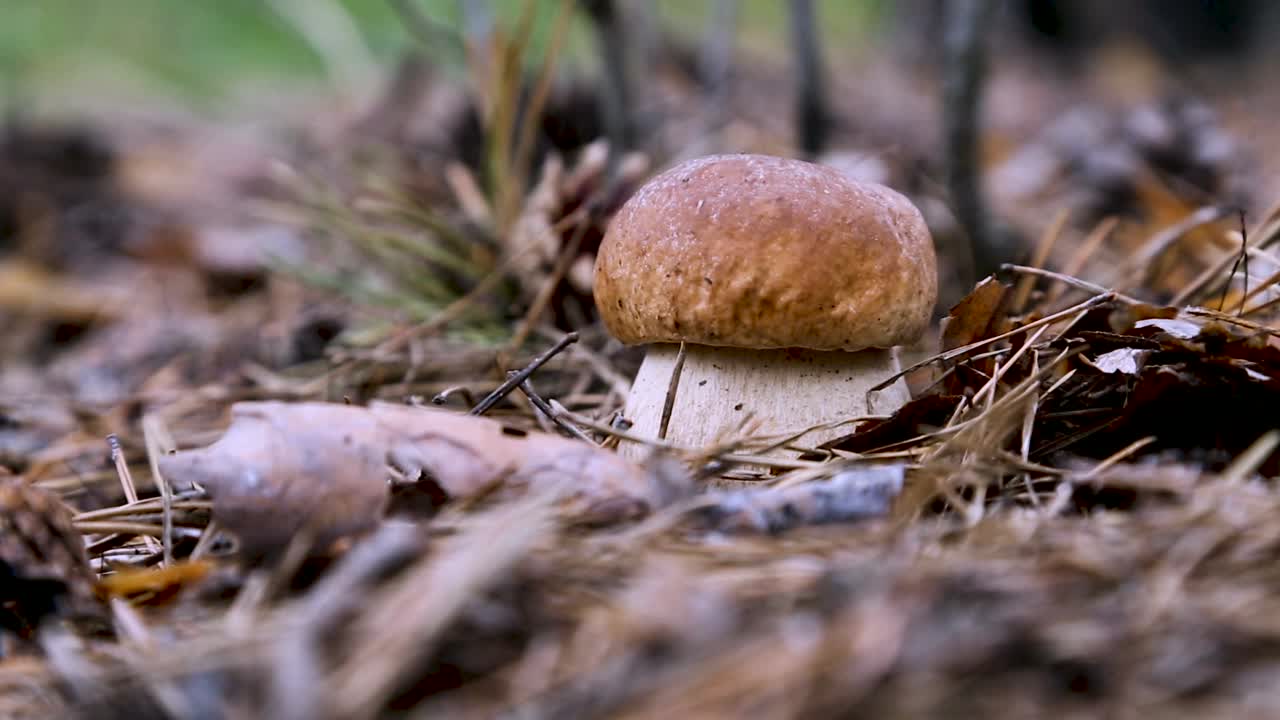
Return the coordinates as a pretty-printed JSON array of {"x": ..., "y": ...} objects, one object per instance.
[
  {"x": 642, "y": 441},
  {"x": 126, "y": 482},
  {"x": 524, "y": 140},
  {"x": 1257, "y": 327},
  {"x": 122, "y": 469},
  {"x": 785, "y": 390},
  {"x": 618, "y": 384},
  {"x": 1260, "y": 237},
  {"x": 143, "y": 506},
  {"x": 966, "y": 349},
  {"x": 1248, "y": 462},
  {"x": 147, "y": 532},
  {"x": 673, "y": 387},
  {"x": 205, "y": 543},
  {"x": 1074, "y": 282},
  {"x": 1082, "y": 254},
  {"x": 1260, "y": 307},
  {"x": 1136, "y": 271},
  {"x": 159, "y": 441},
  {"x": 1047, "y": 240},
  {"x": 1253, "y": 292}
]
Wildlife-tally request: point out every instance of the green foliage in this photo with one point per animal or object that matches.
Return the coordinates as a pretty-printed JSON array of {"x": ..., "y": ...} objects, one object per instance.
[{"x": 200, "y": 52}]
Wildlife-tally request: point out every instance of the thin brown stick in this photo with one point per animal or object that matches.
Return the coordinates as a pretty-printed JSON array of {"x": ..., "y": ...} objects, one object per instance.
[
  {"x": 1116, "y": 457},
  {"x": 1234, "y": 320},
  {"x": 514, "y": 380},
  {"x": 1263, "y": 235},
  {"x": 1264, "y": 306},
  {"x": 1248, "y": 462},
  {"x": 673, "y": 386},
  {"x": 142, "y": 506},
  {"x": 1262, "y": 287},
  {"x": 146, "y": 531},
  {"x": 545, "y": 408},
  {"x": 122, "y": 469},
  {"x": 126, "y": 481},
  {"x": 462, "y": 391}
]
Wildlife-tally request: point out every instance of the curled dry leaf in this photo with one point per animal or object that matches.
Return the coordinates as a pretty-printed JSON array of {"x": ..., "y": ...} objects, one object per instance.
[
  {"x": 283, "y": 468},
  {"x": 977, "y": 316},
  {"x": 980, "y": 315},
  {"x": 43, "y": 566}
]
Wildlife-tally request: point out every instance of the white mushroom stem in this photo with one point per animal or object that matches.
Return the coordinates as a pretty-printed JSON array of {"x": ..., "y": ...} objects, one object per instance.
[{"x": 727, "y": 393}]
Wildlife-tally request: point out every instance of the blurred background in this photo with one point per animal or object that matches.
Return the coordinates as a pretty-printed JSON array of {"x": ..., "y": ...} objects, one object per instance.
[
  {"x": 1084, "y": 92},
  {"x": 1084, "y": 136}
]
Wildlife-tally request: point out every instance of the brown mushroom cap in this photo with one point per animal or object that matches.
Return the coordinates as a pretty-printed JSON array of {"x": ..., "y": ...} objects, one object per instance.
[{"x": 757, "y": 251}]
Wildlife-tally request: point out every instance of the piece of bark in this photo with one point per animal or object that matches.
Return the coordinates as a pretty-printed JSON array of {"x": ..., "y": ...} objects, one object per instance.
[{"x": 852, "y": 494}]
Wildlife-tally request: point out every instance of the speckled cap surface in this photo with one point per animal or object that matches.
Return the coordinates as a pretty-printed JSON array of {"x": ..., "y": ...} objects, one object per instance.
[{"x": 758, "y": 251}]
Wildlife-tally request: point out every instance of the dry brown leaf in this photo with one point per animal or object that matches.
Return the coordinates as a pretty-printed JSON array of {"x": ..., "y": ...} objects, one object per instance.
[
  {"x": 283, "y": 468},
  {"x": 976, "y": 316}
]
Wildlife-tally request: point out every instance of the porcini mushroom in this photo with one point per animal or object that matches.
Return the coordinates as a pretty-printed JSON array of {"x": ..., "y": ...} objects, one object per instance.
[{"x": 790, "y": 284}]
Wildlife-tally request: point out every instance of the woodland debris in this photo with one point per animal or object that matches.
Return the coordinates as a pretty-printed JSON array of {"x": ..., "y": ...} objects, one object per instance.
[
  {"x": 321, "y": 468},
  {"x": 44, "y": 571},
  {"x": 846, "y": 495}
]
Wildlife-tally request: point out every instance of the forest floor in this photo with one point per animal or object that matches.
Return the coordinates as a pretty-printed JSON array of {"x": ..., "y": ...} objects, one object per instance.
[{"x": 238, "y": 477}]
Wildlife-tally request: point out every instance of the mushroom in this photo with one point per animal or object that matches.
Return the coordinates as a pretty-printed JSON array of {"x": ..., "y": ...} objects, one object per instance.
[{"x": 789, "y": 284}]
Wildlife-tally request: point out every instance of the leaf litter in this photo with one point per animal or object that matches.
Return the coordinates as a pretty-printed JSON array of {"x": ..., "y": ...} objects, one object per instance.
[{"x": 1074, "y": 516}]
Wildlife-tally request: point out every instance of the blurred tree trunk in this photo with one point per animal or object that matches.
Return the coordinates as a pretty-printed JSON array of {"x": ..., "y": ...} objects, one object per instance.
[
  {"x": 716, "y": 61},
  {"x": 613, "y": 45},
  {"x": 813, "y": 115},
  {"x": 964, "y": 68}
]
